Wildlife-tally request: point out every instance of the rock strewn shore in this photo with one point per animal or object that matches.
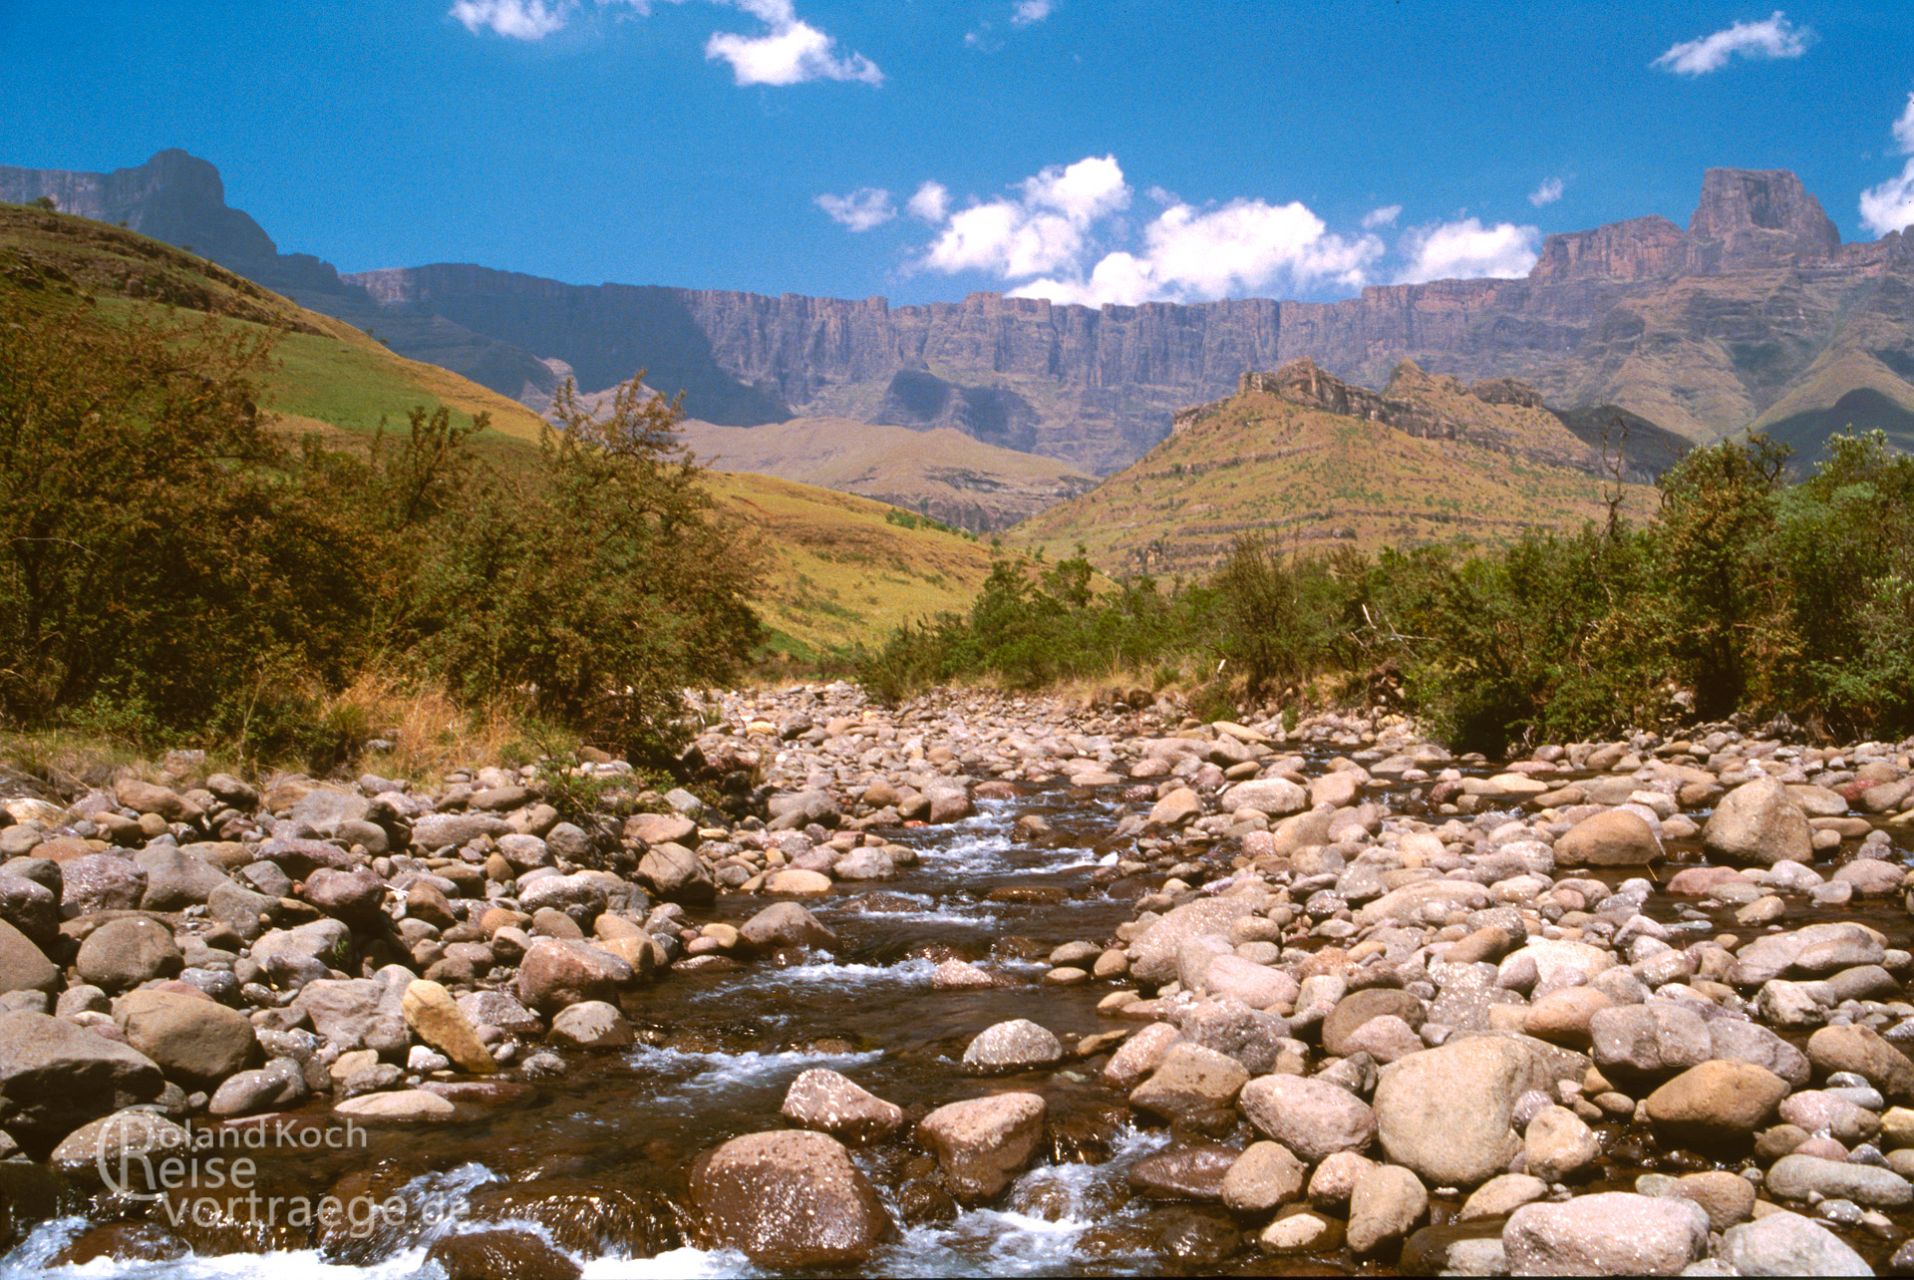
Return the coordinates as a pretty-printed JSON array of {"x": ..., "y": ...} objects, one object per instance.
[{"x": 1363, "y": 995}]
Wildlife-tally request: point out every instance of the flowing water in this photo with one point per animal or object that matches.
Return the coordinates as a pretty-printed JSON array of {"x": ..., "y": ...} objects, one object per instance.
[{"x": 596, "y": 1161}]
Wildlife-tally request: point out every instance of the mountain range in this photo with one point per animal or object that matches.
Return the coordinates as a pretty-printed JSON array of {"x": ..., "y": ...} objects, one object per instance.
[{"x": 1753, "y": 315}]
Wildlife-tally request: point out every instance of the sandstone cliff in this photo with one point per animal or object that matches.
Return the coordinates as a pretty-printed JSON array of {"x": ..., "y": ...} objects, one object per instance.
[{"x": 1755, "y": 312}]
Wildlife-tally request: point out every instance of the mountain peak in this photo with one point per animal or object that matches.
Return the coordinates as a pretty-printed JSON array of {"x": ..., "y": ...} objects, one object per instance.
[{"x": 1759, "y": 217}]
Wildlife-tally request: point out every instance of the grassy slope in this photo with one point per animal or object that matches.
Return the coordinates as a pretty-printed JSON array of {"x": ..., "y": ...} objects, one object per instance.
[
  {"x": 944, "y": 473},
  {"x": 841, "y": 572},
  {"x": 1313, "y": 480}
]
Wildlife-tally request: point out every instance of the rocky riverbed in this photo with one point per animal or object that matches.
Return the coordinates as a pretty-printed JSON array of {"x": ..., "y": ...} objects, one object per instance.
[{"x": 980, "y": 984}]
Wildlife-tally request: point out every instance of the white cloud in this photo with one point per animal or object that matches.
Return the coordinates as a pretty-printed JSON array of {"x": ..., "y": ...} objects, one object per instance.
[
  {"x": 1043, "y": 230},
  {"x": 1772, "y": 37},
  {"x": 1384, "y": 216},
  {"x": 861, "y": 210},
  {"x": 931, "y": 203},
  {"x": 1890, "y": 206},
  {"x": 1904, "y": 127},
  {"x": 1029, "y": 11},
  {"x": 1548, "y": 193},
  {"x": 1465, "y": 250},
  {"x": 514, "y": 19},
  {"x": 791, "y": 51}
]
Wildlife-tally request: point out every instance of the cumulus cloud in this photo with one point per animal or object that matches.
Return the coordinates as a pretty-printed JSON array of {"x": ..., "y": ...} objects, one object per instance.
[
  {"x": 1548, "y": 193},
  {"x": 1245, "y": 246},
  {"x": 1465, "y": 249},
  {"x": 931, "y": 203},
  {"x": 513, "y": 19},
  {"x": 1382, "y": 217},
  {"x": 1029, "y": 11},
  {"x": 789, "y": 51},
  {"x": 1772, "y": 37},
  {"x": 1890, "y": 206},
  {"x": 860, "y": 210},
  {"x": 1043, "y": 229}
]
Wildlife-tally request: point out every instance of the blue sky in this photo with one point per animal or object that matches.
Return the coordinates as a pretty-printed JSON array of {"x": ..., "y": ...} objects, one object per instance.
[{"x": 1101, "y": 150}]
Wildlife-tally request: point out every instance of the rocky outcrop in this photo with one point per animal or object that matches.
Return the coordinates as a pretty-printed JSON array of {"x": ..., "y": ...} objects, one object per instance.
[{"x": 1737, "y": 309}]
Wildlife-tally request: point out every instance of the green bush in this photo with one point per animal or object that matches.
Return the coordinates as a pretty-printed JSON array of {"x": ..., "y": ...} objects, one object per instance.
[{"x": 171, "y": 566}]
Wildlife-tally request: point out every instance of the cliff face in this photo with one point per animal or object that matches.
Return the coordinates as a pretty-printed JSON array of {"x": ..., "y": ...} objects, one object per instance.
[{"x": 1754, "y": 309}]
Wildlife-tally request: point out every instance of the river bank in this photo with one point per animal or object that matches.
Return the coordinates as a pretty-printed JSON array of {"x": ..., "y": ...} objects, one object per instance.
[{"x": 1204, "y": 997}]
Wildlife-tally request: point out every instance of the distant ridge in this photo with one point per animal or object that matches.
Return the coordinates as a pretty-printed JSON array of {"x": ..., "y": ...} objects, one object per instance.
[{"x": 1753, "y": 314}]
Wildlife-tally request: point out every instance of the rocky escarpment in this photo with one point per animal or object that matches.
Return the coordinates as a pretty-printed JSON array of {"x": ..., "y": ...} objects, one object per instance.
[{"x": 1754, "y": 311}]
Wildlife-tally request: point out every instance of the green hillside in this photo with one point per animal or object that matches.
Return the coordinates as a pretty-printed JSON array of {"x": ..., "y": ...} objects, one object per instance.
[
  {"x": 845, "y": 569},
  {"x": 1313, "y": 480}
]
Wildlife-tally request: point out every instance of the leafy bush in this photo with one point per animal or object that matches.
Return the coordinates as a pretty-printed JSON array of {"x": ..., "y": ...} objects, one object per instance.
[
  {"x": 1748, "y": 594},
  {"x": 171, "y": 565}
]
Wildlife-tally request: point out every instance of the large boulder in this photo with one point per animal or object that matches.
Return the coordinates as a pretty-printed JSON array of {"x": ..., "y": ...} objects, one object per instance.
[
  {"x": 1448, "y": 1113},
  {"x": 23, "y": 966},
  {"x": 1154, "y": 954},
  {"x": 1634, "y": 1042},
  {"x": 126, "y": 952},
  {"x": 176, "y": 878},
  {"x": 1759, "y": 824},
  {"x": 790, "y": 1198},
  {"x": 1191, "y": 1082},
  {"x": 1015, "y": 1045},
  {"x": 831, "y": 1103},
  {"x": 55, "y": 1076},
  {"x": 1717, "y": 1102},
  {"x": 356, "y": 1013},
  {"x": 1313, "y": 1118},
  {"x": 1786, "y": 1244},
  {"x": 1862, "y": 1050},
  {"x": 1617, "y": 838},
  {"x": 1612, "y": 1233},
  {"x": 676, "y": 874},
  {"x": 430, "y": 1011},
  {"x": 983, "y": 1143},
  {"x": 354, "y": 896},
  {"x": 1277, "y": 797},
  {"x": 194, "y": 1041},
  {"x": 785, "y": 924},
  {"x": 556, "y": 972}
]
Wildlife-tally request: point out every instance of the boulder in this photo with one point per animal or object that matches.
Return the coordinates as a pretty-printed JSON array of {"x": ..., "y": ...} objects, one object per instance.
[
  {"x": 1189, "y": 1083},
  {"x": 428, "y": 1008},
  {"x": 1716, "y": 1102},
  {"x": 1634, "y": 1042},
  {"x": 1358, "y": 1007},
  {"x": 790, "y": 1198},
  {"x": 555, "y": 972},
  {"x": 1277, "y": 797},
  {"x": 55, "y": 1076},
  {"x": 983, "y": 1143},
  {"x": 23, "y": 966},
  {"x": 676, "y": 874},
  {"x": 175, "y": 878},
  {"x": 1803, "y": 1177},
  {"x": 1759, "y": 824},
  {"x": 356, "y": 1013},
  {"x": 193, "y": 1040},
  {"x": 354, "y": 896},
  {"x": 1015, "y": 1045},
  {"x": 785, "y": 924},
  {"x": 276, "y": 1085},
  {"x": 1861, "y": 1049},
  {"x": 126, "y": 952},
  {"x": 1154, "y": 954},
  {"x": 1611, "y": 1233},
  {"x": 499, "y": 1254},
  {"x": 1786, "y": 1244},
  {"x": 1264, "y": 1178},
  {"x": 1448, "y": 1113},
  {"x": 831, "y": 1103},
  {"x": 1312, "y": 1117},
  {"x": 1617, "y": 838},
  {"x": 1386, "y": 1204},
  {"x": 592, "y": 1024},
  {"x": 398, "y": 1107}
]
